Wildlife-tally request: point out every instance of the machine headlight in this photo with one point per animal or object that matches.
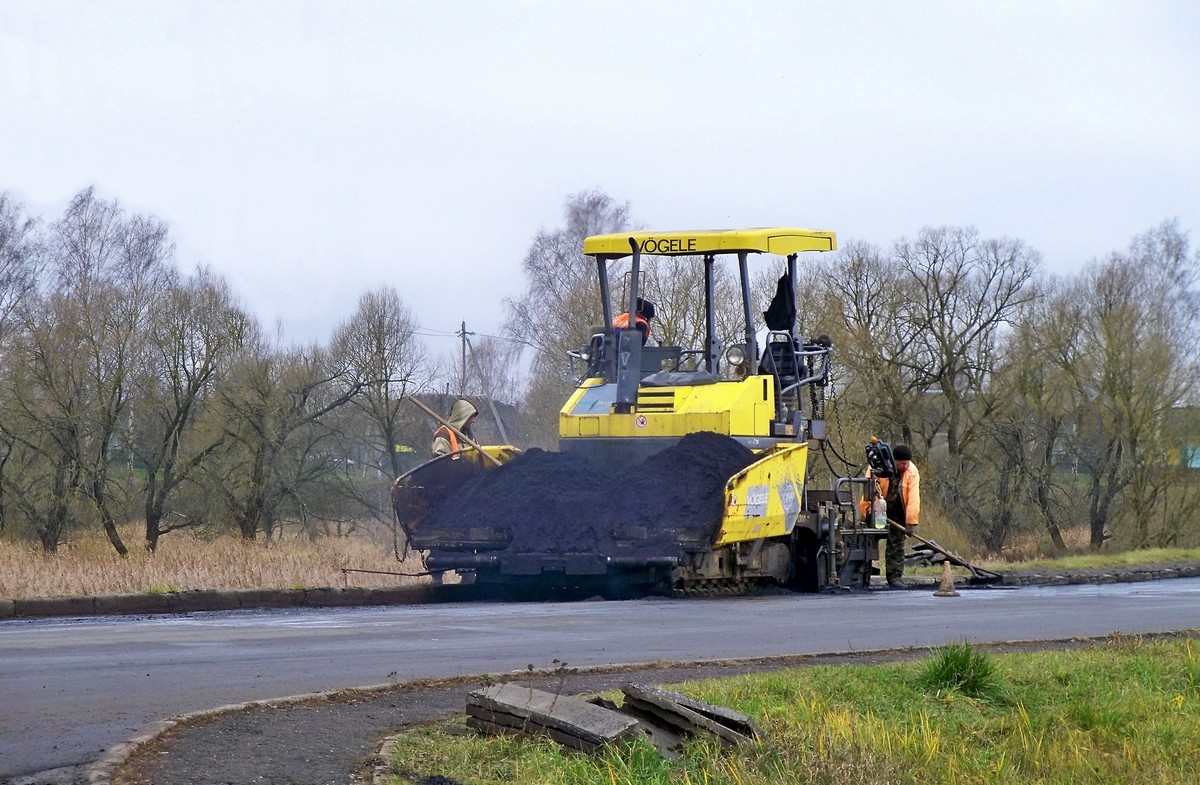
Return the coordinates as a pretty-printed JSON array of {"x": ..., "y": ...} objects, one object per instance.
[{"x": 735, "y": 355}]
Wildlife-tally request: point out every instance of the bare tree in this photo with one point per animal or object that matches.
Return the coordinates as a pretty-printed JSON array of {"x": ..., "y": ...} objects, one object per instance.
[
  {"x": 45, "y": 397},
  {"x": 1033, "y": 424},
  {"x": 1095, "y": 374},
  {"x": 20, "y": 267},
  {"x": 965, "y": 292},
  {"x": 876, "y": 343},
  {"x": 114, "y": 269},
  {"x": 379, "y": 346},
  {"x": 919, "y": 332},
  {"x": 20, "y": 258},
  {"x": 496, "y": 370},
  {"x": 1142, "y": 339},
  {"x": 191, "y": 338},
  {"x": 71, "y": 363},
  {"x": 277, "y": 406},
  {"x": 560, "y": 302}
]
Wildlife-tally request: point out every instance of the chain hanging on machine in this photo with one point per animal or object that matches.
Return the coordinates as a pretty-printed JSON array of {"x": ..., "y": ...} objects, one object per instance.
[
  {"x": 841, "y": 436},
  {"x": 817, "y": 402}
]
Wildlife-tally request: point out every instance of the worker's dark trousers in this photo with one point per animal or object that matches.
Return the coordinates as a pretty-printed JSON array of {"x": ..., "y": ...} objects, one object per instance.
[{"x": 895, "y": 554}]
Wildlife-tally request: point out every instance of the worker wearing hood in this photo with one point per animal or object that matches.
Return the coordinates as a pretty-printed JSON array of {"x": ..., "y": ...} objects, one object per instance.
[{"x": 445, "y": 440}]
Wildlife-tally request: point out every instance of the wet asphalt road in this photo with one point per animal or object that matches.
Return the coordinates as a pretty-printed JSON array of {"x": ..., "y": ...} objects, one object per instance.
[{"x": 71, "y": 688}]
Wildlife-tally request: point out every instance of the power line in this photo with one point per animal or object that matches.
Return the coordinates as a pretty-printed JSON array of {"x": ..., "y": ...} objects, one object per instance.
[{"x": 431, "y": 333}]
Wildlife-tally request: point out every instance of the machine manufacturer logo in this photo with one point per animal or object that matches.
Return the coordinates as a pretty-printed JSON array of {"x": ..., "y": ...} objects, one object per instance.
[
  {"x": 676, "y": 245},
  {"x": 756, "y": 501}
]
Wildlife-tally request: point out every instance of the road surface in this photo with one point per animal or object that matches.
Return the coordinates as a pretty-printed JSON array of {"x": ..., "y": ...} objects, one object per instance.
[{"x": 72, "y": 688}]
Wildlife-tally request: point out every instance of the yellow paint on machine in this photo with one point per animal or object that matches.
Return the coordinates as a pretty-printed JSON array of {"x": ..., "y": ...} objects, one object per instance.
[
  {"x": 730, "y": 408},
  {"x": 775, "y": 240},
  {"x": 635, "y": 426},
  {"x": 764, "y": 499}
]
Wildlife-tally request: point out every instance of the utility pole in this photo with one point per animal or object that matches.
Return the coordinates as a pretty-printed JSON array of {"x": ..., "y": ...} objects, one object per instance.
[
  {"x": 462, "y": 334},
  {"x": 487, "y": 392}
]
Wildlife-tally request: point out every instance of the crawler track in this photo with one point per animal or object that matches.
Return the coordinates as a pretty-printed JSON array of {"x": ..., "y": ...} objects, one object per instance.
[{"x": 721, "y": 588}]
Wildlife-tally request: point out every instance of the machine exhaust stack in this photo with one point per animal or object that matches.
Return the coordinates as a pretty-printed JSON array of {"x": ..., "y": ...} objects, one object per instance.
[{"x": 629, "y": 345}]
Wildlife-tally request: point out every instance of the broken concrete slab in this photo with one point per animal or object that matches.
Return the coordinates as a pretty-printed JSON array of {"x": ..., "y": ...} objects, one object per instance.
[
  {"x": 512, "y": 709},
  {"x": 664, "y": 719},
  {"x": 688, "y": 716}
]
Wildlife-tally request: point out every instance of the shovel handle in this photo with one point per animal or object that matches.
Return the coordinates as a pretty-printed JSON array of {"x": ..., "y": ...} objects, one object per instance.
[{"x": 459, "y": 433}]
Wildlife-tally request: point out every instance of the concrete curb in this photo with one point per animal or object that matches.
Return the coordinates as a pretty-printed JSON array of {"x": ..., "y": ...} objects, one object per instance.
[
  {"x": 195, "y": 601},
  {"x": 1123, "y": 575}
]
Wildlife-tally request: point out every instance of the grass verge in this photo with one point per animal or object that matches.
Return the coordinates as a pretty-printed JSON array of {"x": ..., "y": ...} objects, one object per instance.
[
  {"x": 1089, "y": 561},
  {"x": 1126, "y": 711}
]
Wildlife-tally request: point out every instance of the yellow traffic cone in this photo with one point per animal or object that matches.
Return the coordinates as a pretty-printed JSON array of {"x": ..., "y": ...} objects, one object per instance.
[{"x": 946, "y": 588}]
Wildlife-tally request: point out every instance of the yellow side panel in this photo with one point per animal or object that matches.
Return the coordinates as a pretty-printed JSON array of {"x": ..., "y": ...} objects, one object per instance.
[
  {"x": 735, "y": 408},
  {"x": 765, "y": 498},
  {"x": 636, "y": 426}
]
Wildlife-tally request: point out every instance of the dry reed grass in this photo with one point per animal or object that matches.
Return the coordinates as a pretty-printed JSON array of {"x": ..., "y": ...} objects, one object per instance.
[
  {"x": 88, "y": 565},
  {"x": 1022, "y": 548},
  {"x": 937, "y": 527}
]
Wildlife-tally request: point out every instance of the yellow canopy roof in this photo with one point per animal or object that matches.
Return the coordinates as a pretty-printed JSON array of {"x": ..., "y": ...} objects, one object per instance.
[{"x": 779, "y": 241}]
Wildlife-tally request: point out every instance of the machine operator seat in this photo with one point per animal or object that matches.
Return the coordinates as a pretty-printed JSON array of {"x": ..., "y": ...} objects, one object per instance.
[{"x": 601, "y": 346}]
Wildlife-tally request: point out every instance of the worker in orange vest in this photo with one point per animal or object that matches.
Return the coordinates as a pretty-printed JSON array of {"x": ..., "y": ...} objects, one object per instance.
[
  {"x": 902, "y": 494},
  {"x": 445, "y": 440},
  {"x": 642, "y": 317}
]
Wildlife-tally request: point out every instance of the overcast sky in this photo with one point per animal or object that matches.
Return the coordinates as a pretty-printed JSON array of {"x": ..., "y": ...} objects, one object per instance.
[{"x": 310, "y": 151}]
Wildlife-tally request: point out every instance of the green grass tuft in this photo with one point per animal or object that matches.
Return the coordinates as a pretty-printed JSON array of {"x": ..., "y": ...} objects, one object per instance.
[{"x": 959, "y": 668}]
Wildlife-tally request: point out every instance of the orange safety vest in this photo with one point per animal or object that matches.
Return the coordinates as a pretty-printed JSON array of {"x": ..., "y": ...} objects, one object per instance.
[
  {"x": 641, "y": 323},
  {"x": 910, "y": 492},
  {"x": 451, "y": 437}
]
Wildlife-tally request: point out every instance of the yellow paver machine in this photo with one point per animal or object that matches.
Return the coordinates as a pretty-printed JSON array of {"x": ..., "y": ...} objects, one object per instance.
[{"x": 679, "y": 467}]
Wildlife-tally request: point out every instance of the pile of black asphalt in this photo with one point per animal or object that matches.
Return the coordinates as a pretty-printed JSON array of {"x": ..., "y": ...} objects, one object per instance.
[{"x": 565, "y": 503}]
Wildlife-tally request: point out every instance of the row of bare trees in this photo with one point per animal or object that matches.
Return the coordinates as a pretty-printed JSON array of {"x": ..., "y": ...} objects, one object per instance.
[
  {"x": 130, "y": 391},
  {"x": 1039, "y": 402}
]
